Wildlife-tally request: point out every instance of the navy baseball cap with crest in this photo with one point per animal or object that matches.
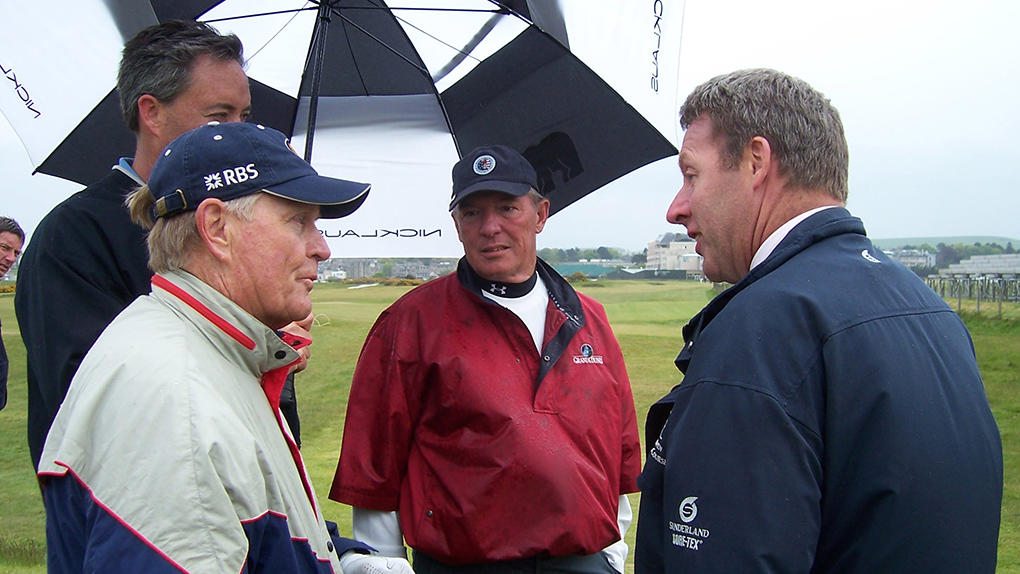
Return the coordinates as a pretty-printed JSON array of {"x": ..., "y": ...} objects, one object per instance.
[
  {"x": 492, "y": 168},
  {"x": 231, "y": 160}
]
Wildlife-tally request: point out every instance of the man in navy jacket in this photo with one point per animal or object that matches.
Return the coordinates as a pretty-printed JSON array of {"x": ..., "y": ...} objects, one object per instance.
[{"x": 831, "y": 417}]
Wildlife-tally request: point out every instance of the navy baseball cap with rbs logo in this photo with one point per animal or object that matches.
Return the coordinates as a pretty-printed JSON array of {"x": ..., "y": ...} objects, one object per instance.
[
  {"x": 492, "y": 168},
  {"x": 231, "y": 160}
]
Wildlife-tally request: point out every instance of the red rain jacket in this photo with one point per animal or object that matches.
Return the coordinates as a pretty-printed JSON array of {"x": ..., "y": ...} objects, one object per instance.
[{"x": 489, "y": 450}]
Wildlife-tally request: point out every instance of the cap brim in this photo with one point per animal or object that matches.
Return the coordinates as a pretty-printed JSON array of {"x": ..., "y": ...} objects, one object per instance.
[
  {"x": 335, "y": 197},
  {"x": 514, "y": 188}
]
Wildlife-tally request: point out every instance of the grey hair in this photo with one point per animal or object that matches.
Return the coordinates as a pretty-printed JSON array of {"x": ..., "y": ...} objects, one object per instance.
[
  {"x": 172, "y": 240},
  {"x": 158, "y": 61},
  {"x": 535, "y": 196},
  {"x": 10, "y": 226},
  {"x": 801, "y": 125}
]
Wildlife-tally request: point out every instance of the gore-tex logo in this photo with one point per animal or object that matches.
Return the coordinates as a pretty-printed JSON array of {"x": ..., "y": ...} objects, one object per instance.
[{"x": 20, "y": 90}]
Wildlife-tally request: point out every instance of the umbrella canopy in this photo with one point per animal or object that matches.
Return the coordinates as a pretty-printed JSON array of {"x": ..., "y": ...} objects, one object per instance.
[{"x": 392, "y": 95}]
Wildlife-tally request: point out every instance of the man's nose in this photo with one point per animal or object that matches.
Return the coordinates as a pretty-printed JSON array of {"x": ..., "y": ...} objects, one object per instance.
[
  {"x": 490, "y": 223},
  {"x": 680, "y": 208},
  {"x": 319, "y": 248}
]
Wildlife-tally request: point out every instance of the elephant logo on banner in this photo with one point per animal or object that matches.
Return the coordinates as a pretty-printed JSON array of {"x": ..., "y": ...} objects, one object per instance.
[{"x": 555, "y": 161}]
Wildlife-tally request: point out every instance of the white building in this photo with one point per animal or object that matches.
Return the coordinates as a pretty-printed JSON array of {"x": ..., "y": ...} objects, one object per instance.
[
  {"x": 328, "y": 274},
  {"x": 913, "y": 257},
  {"x": 674, "y": 256},
  {"x": 1005, "y": 265}
]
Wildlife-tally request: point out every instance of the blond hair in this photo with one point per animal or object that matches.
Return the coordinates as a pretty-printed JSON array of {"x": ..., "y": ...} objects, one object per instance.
[{"x": 172, "y": 240}]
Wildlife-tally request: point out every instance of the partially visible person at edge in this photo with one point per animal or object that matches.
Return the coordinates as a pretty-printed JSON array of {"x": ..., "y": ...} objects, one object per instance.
[
  {"x": 169, "y": 452},
  {"x": 12, "y": 237},
  {"x": 87, "y": 260},
  {"x": 490, "y": 422},
  {"x": 831, "y": 416}
]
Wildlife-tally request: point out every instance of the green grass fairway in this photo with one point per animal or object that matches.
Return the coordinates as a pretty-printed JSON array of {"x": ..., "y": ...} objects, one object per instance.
[{"x": 646, "y": 316}]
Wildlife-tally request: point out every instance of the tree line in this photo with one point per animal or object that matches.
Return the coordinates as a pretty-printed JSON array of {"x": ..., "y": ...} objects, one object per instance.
[{"x": 557, "y": 255}]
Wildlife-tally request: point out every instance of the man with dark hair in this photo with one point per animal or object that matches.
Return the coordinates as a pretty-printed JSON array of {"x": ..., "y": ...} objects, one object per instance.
[
  {"x": 87, "y": 260},
  {"x": 490, "y": 421},
  {"x": 831, "y": 417},
  {"x": 12, "y": 237}
]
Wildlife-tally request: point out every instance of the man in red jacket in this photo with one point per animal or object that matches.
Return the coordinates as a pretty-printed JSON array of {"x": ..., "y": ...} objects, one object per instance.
[{"x": 491, "y": 423}]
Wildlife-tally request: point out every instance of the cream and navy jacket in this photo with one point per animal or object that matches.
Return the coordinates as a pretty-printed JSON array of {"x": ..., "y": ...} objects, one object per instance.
[{"x": 169, "y": 453}]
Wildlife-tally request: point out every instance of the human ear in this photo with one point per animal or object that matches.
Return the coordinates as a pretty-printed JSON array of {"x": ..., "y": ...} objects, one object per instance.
[
  {"x": 543, "y": 215},
  {"x": 211, "y": 219},
  {"x": 149, "y": 114},
  {"x": 760, "y": 156}
]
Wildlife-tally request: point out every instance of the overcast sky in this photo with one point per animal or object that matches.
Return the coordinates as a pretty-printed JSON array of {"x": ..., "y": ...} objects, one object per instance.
[{"x": 928, "y": 91}]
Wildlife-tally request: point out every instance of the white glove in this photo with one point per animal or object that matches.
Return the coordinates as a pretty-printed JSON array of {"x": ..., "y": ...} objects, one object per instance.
[{"x": 355, "y": 563}]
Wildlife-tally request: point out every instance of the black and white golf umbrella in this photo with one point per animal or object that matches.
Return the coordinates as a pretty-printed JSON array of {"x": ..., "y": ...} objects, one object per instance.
[{"x": 387, "y": 94}]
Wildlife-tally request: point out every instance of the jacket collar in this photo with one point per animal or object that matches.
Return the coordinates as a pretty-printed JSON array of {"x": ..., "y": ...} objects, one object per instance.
[
  {"x": 242, "y": 338},
  {"x": 820, "y": 226},
  {"x": 561, "y": 293},
  {"x": 559, "y": 329}
]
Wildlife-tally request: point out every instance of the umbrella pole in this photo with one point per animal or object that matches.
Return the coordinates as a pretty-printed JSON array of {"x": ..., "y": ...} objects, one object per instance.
[{"x": 321, "y": 27}]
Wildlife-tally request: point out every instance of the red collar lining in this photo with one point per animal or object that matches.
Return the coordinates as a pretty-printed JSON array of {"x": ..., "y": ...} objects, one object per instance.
[{"x": 220, "y": 322}]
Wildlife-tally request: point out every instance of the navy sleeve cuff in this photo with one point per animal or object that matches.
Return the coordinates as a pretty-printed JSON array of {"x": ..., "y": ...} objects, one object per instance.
[{"x": 344, "y": 545}]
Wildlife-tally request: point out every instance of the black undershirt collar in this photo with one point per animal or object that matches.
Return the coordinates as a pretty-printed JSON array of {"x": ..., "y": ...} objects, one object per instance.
[{"x": 500, "y": 289}]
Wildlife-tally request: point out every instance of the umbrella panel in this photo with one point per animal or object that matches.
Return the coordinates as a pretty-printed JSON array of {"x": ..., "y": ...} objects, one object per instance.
[
  {"x": 88, "y": 152},
  {"x": 366, "y": 53},
  {"x": 536, "y": 97},
  {"x": 83, "y": 157}
]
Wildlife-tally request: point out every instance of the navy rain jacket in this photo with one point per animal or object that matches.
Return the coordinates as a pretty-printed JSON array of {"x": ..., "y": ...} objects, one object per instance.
[{"x": 831, "y": 419}]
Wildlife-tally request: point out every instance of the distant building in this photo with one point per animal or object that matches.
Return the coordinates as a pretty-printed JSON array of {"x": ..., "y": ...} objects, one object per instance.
[
  {"x": 422, "y": 269},
  {"x": 913, "y": 257},
  {"x": 674, "y": 255},
  {"x": 340, "y": 268},
  {"x": 332, "y": 274},
  {"x": 1006, "y": 266}
]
